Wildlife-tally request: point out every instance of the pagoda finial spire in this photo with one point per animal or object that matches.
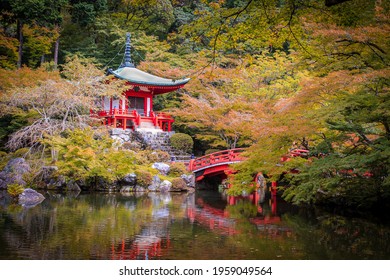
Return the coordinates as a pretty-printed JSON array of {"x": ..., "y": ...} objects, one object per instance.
[{"x": 128, "y": 62}]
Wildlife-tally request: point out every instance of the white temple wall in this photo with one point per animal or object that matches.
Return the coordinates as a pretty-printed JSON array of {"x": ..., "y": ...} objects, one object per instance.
[
  {"x": 115, "y": 104},
  {"x": 106, "y": 103}
]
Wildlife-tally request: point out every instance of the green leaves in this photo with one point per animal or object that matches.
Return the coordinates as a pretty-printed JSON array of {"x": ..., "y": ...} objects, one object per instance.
[{"x": 87, "y": 155}]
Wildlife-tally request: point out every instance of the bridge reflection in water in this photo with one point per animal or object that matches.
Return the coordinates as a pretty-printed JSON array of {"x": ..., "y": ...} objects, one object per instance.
[{"x": 222, "y": 218}]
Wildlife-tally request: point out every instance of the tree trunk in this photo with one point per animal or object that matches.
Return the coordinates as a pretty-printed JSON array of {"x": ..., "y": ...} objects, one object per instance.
[
  {"x": 20, "y": 50},
  {"x": 56, "y": 49}
]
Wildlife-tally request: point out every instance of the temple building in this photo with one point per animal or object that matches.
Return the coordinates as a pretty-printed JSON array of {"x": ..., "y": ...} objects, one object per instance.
[{"x": 134, "y": 110}]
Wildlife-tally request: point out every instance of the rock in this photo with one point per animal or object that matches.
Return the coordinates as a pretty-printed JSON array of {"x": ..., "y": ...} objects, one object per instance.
[
  {"x": 100, "y": 185},
  {"x": 163, "y": 168},
  {"x": 189, "y": 179},
  {"x": 155, "y": 184},
  {"x": 118, "y": 139},
  {"x": 126, "y": 189},
  {"x": 130, "y": 179},
  {"x": 30, "y": 197},
  {"x": 72, "y": 186},
  {"x": 51, "y": 180},
  {"x": 13, "y": 172},
  {"x": 165, "y": 186},
  {"x": 139, "y": 189}
]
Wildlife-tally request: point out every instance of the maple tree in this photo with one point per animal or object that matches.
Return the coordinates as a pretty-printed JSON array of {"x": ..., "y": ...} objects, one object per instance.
[{"x": 58, "y": 104}]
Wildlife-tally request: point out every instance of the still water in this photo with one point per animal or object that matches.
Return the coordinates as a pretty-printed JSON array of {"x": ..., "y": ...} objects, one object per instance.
[{"x": 202, "y": 225}]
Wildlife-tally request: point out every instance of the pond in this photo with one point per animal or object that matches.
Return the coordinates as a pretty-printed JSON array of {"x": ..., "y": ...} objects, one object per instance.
[{"x": 177, "y": 226}]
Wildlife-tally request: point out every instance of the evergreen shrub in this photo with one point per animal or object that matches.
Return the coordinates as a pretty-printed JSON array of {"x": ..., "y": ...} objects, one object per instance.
[{"x": 182, "y": 142}]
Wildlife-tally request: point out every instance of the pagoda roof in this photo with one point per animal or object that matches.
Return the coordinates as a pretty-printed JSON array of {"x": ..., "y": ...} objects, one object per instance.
[{"x": 136, "y": 76}]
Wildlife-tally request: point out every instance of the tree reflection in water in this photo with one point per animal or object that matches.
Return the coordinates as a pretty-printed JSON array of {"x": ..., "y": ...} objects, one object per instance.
[{"x": 203, "y": 225}]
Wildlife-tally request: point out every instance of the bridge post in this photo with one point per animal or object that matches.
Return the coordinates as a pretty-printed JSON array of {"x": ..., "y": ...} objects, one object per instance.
[{"x": 191, "y": 165}]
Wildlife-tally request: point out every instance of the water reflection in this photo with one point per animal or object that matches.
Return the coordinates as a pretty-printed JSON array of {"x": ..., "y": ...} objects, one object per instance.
[{"x": 202, "y": 225}]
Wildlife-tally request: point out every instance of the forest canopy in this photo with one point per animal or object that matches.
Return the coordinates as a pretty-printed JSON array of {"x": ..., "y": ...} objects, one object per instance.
[{"x": 264, "y": 74}]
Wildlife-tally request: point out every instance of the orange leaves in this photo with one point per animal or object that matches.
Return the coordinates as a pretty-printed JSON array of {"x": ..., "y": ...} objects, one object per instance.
[{"x": 24, "y": 77}]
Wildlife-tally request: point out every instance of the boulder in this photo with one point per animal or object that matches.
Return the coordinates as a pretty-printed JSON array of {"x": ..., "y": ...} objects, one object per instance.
[
  {"x": 130, "y": 179},
  {"x": 189, "y": 179},
  {"x": 72, "y": 186},
  {"x": 30, "y": 197},
  {"x": 155, "y": 184},
  {"x": 139, "y": 189},
  {"x": 163, "y": 168},
  {"x": 51, "y": 180},
  {"x": 126, "y": 189},
  {"x": 13, "y": 172},
  {"x": 165, "y": 186}
]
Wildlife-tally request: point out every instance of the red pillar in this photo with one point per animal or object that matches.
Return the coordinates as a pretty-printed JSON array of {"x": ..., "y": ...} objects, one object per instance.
[
  {"x": 274, "y": 185},
  {"x": 273, "y": 205}
]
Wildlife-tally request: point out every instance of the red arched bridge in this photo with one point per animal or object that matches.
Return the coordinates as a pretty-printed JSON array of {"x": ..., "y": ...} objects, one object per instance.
[{"x": 215, "y": 164}]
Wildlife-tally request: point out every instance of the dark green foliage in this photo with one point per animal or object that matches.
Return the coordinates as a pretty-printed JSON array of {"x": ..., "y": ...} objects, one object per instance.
[
  {"x": 12, "y": 123},
  {"x": 354, "y": 167},
  {"x": 182, "y": 142}
]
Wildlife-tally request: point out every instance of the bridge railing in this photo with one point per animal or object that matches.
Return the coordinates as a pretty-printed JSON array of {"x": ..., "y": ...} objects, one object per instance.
[{"x": 220, "y": 157}]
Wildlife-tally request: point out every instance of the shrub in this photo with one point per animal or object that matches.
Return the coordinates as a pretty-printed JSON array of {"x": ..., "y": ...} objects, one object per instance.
[
  {"x": 158, "y": 156},
  {"x": 177, "y": 169},
  {"x": 182, "y": 142},
  {"x": 14, "y": 190},
  {"x": 144, "y": 178},
  {"x": 178, "y": 184}
]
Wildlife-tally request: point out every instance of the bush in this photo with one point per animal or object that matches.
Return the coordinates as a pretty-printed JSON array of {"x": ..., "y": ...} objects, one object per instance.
[
  {"x": 158, "y": 156},
  {"x": 182, "y": 142},
  {"x": 146, "y": 157},
  {"x": 177, "y": 169},
  {"x": 178, "y": 184},
  {"x": 144, "y": 178},
  {"x": 14, "y": 190}
]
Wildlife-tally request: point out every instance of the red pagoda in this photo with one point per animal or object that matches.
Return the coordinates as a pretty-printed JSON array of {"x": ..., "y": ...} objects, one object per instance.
[{"x": 135, "y": 108}]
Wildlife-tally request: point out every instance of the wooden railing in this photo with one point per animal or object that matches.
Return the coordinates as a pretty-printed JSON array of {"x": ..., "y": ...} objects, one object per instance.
[
  {"x": 221, "y": 157},
  {"x": 158, "y": 119}
]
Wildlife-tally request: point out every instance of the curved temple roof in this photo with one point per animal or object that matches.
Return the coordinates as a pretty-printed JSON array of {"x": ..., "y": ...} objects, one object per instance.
[
  {"x": 133, "y": 75},
  {"x": 128, "y": 72}
]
